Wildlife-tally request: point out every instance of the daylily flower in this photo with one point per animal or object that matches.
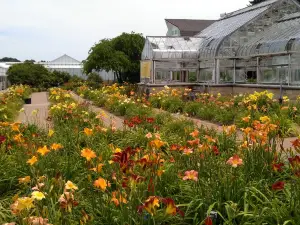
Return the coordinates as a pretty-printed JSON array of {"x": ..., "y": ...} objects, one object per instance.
[
  {"x": 32, "y": 160},
  {"x": 56, "y": 146},
  {"x": 265, "y": 119},
  {"x": 156, "y": 143},
  {"x": 195, "y": 133},
  {"x": 191, "y": 175},
  {"x": 117, "y": 198},
  {"x": 88, "y": 154},
  {"x": 246, "y": 119},
  {"x": 149, "y": 135},
  {"x": 37, "y": 195},
  {"x": 43, "y": 151},
  {"x": 24, "y": 180},
  {"x": 20, "y": 204},
  {"x": 100, "y": 183},
  {"x": 2, "y": 139},
  {"x": 278, "y": 185},
  {"x": 235, "y": 161},
  {"x": 98, "y": 168},
  {"x": 70, "y": 186},
  {"x": 150, "y": 205},
  {"x": 277, "y": 167},
  {"x": 171, "y": 207},
  {"x": 88, "y": 131},
  {"x": 296, "y": 143},
  {"x": 208, "y": 221},
  {"x": 50, "y": 133}
]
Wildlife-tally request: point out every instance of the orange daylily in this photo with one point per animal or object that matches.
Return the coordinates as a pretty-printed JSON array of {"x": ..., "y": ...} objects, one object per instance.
[
  {"x": 43, "y": 151},
  {"x": 15, "y": 127},
  {"x": 32, "y": 160},
  {"x": 191, "y": 175},
  {"x": 24, "y": 180},
  {"x": 56, "y": 146},
  {"x": 100, "y": 183},
  {"x": 195, "y": 133},
  {"x": 88, "y": 131},
  {"x": 235, "y": 161},
  {"x": 117, "y": 198},
  {"x": 98, "y": 169},
  {"x": 156, "y": 143},
  {"x": 88, "y": 154}
]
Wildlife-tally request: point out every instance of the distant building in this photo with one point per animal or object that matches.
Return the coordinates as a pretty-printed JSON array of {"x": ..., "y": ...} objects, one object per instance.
[
  {"x": 184, "y": 27},
  {"x": 64, "y": 63}
]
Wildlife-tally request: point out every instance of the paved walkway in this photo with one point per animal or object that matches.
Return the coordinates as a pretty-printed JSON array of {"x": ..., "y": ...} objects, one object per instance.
[
  {"x": 109, "y": 119},
  {"x": 119, "y": 121},
  {"x": 36, "y": 112},
  {"x": 286, "y": 143}
]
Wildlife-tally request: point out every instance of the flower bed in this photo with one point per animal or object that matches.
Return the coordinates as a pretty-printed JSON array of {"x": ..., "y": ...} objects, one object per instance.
[
  {"x": 159, "y": 170},
  {"x": 12, "y": 100}
]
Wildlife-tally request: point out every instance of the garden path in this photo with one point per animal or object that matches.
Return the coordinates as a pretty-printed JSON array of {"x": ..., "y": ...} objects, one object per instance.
[
  {"x": 286, "y": 143},
  {"x": 119, "y": 121},
  {"x": 108, "y": 120},
  {"x": 36, "y": 112}
]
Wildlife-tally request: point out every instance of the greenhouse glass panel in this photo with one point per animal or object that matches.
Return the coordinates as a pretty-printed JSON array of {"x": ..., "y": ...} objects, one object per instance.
[
  {"x": 206, "y": 75},
  {"x": 274, "y": 75},
  {"x": 226, "y": 75},
  {"x": 171, "y": 48}
]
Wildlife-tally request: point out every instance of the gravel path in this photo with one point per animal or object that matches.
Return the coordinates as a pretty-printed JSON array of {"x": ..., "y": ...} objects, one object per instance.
[
  {"x": 36, "y": 112},
  {"x": 109, "y": 119}
]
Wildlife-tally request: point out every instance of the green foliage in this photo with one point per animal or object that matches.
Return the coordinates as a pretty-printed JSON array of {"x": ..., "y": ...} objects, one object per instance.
[
  {"x": 94, "y": 80},
  {"x": 9, "y": 59},
  {"x": 121, "y": 55},
  {"x": 36, "y": 75}
]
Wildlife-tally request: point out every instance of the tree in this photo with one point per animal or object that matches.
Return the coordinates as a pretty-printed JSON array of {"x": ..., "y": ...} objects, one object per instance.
[
  {"x": 8, "y": 59},
  {"x": 94, "y": 80},
  {"x": 121, "y": 55},
  {"x": 28, "y": 73}
]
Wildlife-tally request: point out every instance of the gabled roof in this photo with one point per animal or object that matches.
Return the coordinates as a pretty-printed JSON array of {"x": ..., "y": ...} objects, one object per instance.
[
  {"x": 190, "y": 27},
  {"x": 65, "y": 59}
]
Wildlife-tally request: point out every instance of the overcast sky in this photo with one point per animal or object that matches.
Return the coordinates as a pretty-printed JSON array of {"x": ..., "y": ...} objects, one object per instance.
[{"x": 47, "y": 29}]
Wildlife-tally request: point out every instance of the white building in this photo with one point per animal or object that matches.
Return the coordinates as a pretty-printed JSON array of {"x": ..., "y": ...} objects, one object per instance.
[{"x": 64, "y": 63}]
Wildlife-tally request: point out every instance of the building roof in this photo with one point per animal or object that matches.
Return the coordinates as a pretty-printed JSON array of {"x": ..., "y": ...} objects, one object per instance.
[
  {"x": 190, "y": 27},
  {"x": 65, "y": 59},
  {"x": 229, "y": 23}
]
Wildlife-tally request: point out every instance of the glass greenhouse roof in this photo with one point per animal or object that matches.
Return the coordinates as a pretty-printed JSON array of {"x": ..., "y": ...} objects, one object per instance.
[
  {"x": 273, "y": 40},
  {"x": 171, "y": 48}
]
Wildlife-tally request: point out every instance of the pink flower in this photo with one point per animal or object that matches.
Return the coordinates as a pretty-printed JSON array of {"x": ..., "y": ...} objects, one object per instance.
[
  {"x": 191, "y": 175},
  {"x": 235, "y": 161},
  {"x": 187, "y": 151},
  {"x": 149, "y": 135}
]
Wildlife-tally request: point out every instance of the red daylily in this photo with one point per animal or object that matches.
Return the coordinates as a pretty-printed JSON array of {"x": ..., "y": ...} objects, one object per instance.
[
  {"x": 216, "y": 150},
  {"x": 277, "y": 167},
  {"x": 2, "y": 139},
  {"x": 171, "y": 207},
  {"x": 296, "y": 143},
  {"x": 208, "y": 221},
  {"x": 279, "y": 185}
]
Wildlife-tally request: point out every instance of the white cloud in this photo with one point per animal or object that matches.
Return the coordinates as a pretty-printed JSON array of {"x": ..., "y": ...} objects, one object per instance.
[{"x": 45, "y": 29}]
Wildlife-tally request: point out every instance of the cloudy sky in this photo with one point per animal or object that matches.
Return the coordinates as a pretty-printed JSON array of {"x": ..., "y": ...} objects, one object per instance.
[{"x": 46, "y": 29}]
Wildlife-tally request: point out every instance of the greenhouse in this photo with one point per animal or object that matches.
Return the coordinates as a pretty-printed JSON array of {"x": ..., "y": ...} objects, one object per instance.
[{"x": 258, "y": 44}]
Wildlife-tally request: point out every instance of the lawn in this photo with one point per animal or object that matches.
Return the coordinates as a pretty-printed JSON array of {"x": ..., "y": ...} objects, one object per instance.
[{"x": 158, "y": 169}]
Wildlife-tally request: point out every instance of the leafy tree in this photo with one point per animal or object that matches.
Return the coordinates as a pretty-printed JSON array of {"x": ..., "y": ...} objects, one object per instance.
[
  {"x": 8, "y": 59},
  {"x": 58, "y": 77},
  {"x": 94, "y": 80},
  {"x": 29, "y": 61},
  {"x": 121, "y": 55},
  {"x": 34, "y": 75}
]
